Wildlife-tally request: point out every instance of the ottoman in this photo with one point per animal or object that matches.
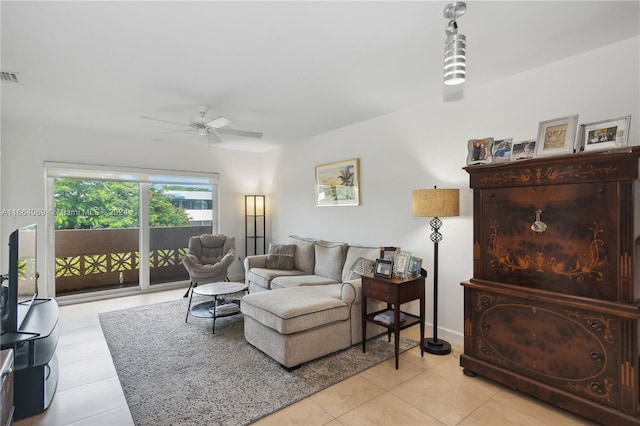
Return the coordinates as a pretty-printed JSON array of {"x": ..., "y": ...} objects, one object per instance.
[{"x": 297, "y": 324}]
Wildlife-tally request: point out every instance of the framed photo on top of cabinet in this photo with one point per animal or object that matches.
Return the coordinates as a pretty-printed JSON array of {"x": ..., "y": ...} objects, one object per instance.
[
  {"x": 603, "y": 135},
  {"x": 480, "y": 151},
  {"x": 523, "y": 149},
  {"x": 401, "y": 263},
  {"x": 557, "y": 136},
  {"x": 383, "y": 268},
  {"x": 337, "y": 184},
  {"x": 502, "y": 150}
]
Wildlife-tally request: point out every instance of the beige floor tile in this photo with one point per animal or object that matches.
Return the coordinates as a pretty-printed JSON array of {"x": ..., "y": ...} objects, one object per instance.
[
  {"x": 425, "y": 361},
  {"x": 493, "y": 412},
  {"x": 448, "y": 401},
  {"x": 82, "y": 402},
  {"x": 82, "y": 351},
  {"x": 118, "y": 417},
  {"x": 386, "y": 376},
  {"x": 305, "y": 412},
  {"x": 347, "y": 395},
  {"x": 79, "y": 335},
  {"x": 83, "y": 372},
  {"x": 546, "y": 413},
  {"x": 386, "y": 409}
]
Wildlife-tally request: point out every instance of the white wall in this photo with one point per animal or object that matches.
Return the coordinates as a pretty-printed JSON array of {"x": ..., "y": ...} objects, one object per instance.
[
  {"x": 27, "y": 147},
  {"x": 426, "y": 145}
]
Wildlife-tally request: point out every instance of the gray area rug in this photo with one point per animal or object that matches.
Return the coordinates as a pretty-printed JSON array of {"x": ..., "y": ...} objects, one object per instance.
[{"x": 177, "y": 373}]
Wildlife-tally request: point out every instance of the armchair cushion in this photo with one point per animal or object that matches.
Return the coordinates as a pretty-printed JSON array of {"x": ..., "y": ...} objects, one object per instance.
[{"x": 209, "y": 256}]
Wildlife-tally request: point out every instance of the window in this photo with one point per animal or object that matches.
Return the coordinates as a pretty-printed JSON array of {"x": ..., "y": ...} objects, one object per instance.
[{"x": 116, "y": 229}]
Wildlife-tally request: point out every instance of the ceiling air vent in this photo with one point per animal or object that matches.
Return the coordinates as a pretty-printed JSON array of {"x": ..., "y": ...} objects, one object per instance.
[{"x": 10, "y": 77}]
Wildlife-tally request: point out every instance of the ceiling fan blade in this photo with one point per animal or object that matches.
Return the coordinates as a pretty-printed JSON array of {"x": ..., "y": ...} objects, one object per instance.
[
  {"x": 213, "y": 139},
  {"x": 246, "y": 134},
  {"x": 165, "y": 121},
  {"x": 219, "y": 122}
]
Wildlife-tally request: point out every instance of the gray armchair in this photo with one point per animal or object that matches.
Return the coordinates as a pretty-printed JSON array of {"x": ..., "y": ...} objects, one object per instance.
[{"x": 208, "y": 258}]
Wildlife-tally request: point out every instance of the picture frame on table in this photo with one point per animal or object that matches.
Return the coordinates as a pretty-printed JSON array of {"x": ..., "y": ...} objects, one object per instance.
[
  {"x": 415, "y": 266},
  {"x": 401, "y": 263},
  {"x": 523, "y": 149},
  {"x": 557, "y": 136},
  {"x": 337, "y": 184},
  {"x": 501, "y": 151},
  {"x": 479, "y": 151},
  {"x": 383, "y": 268},
  {"x": 389, "y": 253},
  {"x": 604, "y": 135}
]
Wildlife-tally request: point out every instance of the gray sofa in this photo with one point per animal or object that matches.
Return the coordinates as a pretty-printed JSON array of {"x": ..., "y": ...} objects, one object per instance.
[{"x": 304, "y": 299}]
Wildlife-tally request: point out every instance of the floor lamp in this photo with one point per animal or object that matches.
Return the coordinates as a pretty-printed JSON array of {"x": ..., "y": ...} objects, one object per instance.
[{"x": 436, "y": 203}]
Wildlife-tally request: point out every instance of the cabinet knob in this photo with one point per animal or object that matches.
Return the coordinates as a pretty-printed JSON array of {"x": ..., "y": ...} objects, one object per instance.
[
  {"x": 596, "y": 357},
  {"x": 596, "y": 326},
  {"x": 486, "y": 326},
  {"x": 485, "y": 350},
  {"x": 596, "y": 387}
]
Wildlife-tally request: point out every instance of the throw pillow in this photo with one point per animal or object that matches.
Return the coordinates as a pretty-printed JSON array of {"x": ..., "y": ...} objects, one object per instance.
[
  {"x": 280, "y": 256},
  {"x": 360, "y": 267}
]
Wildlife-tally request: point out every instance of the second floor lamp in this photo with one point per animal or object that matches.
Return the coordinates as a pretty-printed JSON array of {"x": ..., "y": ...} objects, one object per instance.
[{"x": 436, "y": 203}]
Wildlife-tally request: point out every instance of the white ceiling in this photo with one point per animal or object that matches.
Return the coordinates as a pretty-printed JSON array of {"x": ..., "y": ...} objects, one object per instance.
[{"x": 289, "y": 69}]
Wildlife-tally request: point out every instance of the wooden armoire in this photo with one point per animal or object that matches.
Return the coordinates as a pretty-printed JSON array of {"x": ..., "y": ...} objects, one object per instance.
[{"x": 552, "y": 307}]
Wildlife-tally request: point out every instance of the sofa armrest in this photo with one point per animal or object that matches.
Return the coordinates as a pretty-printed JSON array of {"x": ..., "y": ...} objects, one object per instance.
[
  {"x": 351, "y": 291},
  {"x": 257, "y": 261}
]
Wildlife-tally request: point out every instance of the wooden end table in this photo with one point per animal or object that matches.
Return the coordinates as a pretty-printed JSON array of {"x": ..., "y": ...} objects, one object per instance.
[{"x": 395, "y": 291}]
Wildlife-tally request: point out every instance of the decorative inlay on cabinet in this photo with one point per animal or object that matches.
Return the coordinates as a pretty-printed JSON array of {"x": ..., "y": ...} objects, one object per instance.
[{"x": 551, "y": 309}]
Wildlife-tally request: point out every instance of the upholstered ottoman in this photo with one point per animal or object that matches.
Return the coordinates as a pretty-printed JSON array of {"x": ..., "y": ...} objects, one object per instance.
[{"x": 295, "y": 325}]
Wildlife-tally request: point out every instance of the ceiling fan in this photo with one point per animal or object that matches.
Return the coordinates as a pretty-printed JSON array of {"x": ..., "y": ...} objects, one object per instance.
[{"x": 210, "y": 127}]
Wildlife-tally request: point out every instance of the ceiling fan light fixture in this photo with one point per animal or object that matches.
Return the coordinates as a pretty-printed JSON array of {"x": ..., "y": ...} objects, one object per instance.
[{"x": 455, "y": 46}]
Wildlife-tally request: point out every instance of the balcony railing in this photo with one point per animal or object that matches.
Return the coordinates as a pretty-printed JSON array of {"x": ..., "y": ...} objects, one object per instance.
[{"x": 99, "y": 259}]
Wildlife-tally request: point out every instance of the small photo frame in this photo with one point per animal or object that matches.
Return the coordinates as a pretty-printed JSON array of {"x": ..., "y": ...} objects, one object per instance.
[
  {"x": 523, "y": 150},
  {"x": 501, "y": 151},
  {"x": 401, "y": 263},
  {"x": 479, "y": 151},
  {"x": 415, "y": 265},
  {"x": 383, "y": 268},
  {"x": 604, "y": 135},
  {"x": 389, "y": 253},
  {"x": 557, "y": 136}
]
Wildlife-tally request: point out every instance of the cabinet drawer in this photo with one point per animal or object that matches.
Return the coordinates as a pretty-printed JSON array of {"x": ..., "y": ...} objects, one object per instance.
[
  {"x": 377, "y": 290},
  {"x": 572, "y": 349}
]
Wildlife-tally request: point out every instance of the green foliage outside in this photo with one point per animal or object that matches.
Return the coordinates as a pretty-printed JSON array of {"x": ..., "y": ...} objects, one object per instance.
[{"x": 95, "y": 204}]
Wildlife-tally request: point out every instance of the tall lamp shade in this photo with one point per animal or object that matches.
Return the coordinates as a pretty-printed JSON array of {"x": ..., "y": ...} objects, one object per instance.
[{"x": 436, "y": 203}]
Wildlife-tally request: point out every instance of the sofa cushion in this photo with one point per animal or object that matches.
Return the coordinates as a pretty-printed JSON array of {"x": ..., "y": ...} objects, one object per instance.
[
  {"x": 303, "y": 259},
  {"x": 360, "y": 267},
  {"x": 280, "y": 256},
  {"x": 300, "y": 280},
  {"x": 329, "y": 259},
  {"x": 295, "y": 309},
  {"x": 353, "y": 253},
  {"x": 263, "y": 276}
]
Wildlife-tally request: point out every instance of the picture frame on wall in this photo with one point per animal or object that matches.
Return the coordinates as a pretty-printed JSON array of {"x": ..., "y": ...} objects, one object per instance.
[
  {"x": 337, "y": 184},
  {"x": 523, "y": 149},
  {"x": 502, "y": 150},
  {"x": 383, "y": 268},
  {"x": 557, "y": 136},
  {"x": 415, "y": 266},
  {"x": 479, "y": 151},
  {"x": 604, "y": 135}
]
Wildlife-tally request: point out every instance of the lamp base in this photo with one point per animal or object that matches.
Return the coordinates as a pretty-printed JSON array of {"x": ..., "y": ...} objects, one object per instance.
[{"x": 436, "y": 347}]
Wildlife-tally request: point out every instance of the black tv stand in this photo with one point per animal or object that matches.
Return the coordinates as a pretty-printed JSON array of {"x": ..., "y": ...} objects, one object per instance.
[{"x": 36, "y": 366}]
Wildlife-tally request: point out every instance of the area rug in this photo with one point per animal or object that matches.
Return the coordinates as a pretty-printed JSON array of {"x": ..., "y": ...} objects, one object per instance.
[{"x": 177, "y": 373}]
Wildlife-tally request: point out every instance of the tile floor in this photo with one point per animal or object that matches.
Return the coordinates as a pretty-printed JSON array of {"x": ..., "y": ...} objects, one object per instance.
[{"x": 425, "y": 391}]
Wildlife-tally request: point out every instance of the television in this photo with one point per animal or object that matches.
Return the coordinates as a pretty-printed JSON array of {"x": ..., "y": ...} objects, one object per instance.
[{"x": 20, "y": 285}]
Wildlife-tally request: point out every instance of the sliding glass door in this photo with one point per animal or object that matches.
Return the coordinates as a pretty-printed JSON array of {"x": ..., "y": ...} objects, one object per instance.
[{"x": 121, "y": 229}]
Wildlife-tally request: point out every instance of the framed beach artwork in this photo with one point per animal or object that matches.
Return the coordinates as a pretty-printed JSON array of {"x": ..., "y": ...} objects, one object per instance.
[{"x": 337, "y": 184}]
